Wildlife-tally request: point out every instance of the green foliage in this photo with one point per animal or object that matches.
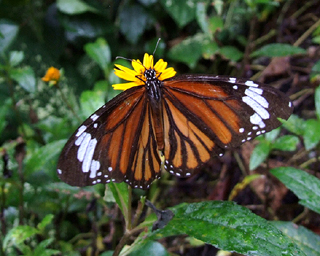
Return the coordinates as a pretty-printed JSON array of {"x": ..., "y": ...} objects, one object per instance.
[
  {"x": 270, "y": 142},
  {"x": 304, "y": 185},
  {"x": 81, "y": 38},
  {"x": 308, "y": 241},
  {"x": 278, "y": 50}
]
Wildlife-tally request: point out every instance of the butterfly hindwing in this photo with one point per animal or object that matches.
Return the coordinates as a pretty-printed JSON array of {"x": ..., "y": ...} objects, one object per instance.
[{"x": 204, "y": 115}]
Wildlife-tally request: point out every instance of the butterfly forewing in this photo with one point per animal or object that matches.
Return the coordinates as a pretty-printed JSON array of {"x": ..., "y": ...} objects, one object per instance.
[
  {"x": 204, "y": 115},
  {"x": 116, "y": 143}
]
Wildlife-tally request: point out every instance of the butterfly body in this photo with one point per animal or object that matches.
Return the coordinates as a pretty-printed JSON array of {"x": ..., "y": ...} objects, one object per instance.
[{"x": 177, "y": 123}]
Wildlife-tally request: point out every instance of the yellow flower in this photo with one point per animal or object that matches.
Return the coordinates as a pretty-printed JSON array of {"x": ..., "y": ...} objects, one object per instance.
[
  {"x": 136, "y": 76},
  {"x": 52, "y": 76}
]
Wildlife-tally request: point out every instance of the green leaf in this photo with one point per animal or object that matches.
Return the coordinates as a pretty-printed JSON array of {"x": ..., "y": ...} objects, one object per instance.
[
  {"x": 4, "y": 110},
  {"x": 201, "y": 15},
  {"x": 278, "y": 50},
  {"x": 191, "y": 45},
  {"x": 316, "y": 67},
  {"x": 304, "y": 185},
  {"x": 25, "y": 78},
  {"x": 18, "y": 235},
  {"x": 99, "y": 51},
  {"x": 308, "y": 241},
  {"x": 90, "y": 101},
  {"x": 295, "y": 125},
  {"x": 44, "y": 155},
  {"x": 229, "y": 227},
  {"x": 181, "y": 11},
  {"x": 133, "y": 22},
  {"x": 286, "y": 143},
  {"x": 272, "y": 135},
  {"x": 45, "y": 222},
  {"x": 150, "y": 248},
  {"x": 311, "y": 134},
  {"x": 15, "y": 58},
  {"x": 73, "y": 7},
  {"x": 259, "y": 154},
  {"x": 317, "y": 101},
  {"x": 120, "y": 194},
  {"x": 231, "y": 53},
  {"x": 215, "y": 22},
  {"x": 9, "y": 31}
]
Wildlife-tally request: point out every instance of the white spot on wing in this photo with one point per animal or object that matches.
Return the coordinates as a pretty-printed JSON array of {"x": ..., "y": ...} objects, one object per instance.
[
  {"x": 80, "y": 139},
  {"x": 83, "y": 147},
  {"x": 235, "y": 87},
  {"x": 95, "y": 166},
  {"x": 110, "y": 169},
  {"x": 88, "y": 155},
  {"x": 81, "y": 129},
  {"x": 251, "y": 83},
  {"x": 256, "y": 107},
  {"x": 256, "y": 119},
  {"x": 256, "y": 90},
  {"x": 256, "y": 97},
  {"x": 59, "y": 171},
  {"x": 95, "y": 125},
  {"x": 241, "y": 130},
  {"x": 232, "y": 79},
  {"x": 94, "y": 117}
]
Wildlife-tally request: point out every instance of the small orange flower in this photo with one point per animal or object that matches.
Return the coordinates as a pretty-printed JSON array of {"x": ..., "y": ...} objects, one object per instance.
[{"x": 52, "y": 76}]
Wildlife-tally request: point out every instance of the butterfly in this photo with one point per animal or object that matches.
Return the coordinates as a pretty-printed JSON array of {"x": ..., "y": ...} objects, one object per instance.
[{"x": 166, "y": 122}]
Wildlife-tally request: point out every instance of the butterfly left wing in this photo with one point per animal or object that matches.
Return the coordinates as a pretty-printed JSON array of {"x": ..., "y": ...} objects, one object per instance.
[
  {"x": 205, "y": 115},
  {"x": 116, "y": 143}
]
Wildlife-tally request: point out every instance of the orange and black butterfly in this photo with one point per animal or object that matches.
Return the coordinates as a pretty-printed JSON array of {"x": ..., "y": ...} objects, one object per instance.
[{"x": 163, "y": 121}]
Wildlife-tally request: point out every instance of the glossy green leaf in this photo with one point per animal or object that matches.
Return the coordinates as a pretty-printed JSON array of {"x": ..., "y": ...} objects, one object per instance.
[
  {"x": 15, "y": 58},
  {"x": 18, "y": 235},
  {"x": 231, "y": 53},
  {"x": 272, "y": 135},
  {"x": 191, "y": 45},
  {"x": 91, "y": 101},
  {"x": 43, "y": 156},
  {"x": 308, "y": 241},
  {"x": 133, "y": 22},
  {"x": 259, "y": 154},
  {"x": 9, "y": 31},
  {"x": 42, "y": 250},
  {"x": 120, "y": 194},
  {"x": 73, "y": 7},
  {"x": 311, "y": 134},
  {"x": 278, "y": 50},
  {"x": 229, "y": 227},
  {"x": 215, "y": 22},
  {"x": 295, "y": 125},
  {"x": 99, "y": 51},
  {"x": 150, "y": 248},
  {"x": 25, "y": 77},
  {"x": 305, "y": 186},
  {"x": 45, "y": 222},
  {"x": 317, "y": 101},
  {"x": 286, "y": 143},
  {"x": 181, "y": 11},
  {"x": 201, "y": 15}
]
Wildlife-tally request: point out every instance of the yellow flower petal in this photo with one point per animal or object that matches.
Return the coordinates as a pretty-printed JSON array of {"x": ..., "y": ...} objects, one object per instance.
[
  {"x": 125, "y": 86},
  {"x": 168, "y": 73},
  {"x": 136, "y": 76},
  {"x": 52, "y": 75}
]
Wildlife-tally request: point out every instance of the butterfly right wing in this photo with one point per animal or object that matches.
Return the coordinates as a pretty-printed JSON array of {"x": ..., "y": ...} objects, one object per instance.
[{"x": 116, "y": 143}]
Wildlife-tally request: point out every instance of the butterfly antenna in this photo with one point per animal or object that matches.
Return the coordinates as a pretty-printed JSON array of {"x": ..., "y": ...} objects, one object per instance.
[
  {"x": 156, "y": 46},
  {"x": 120, "y": 57}
]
